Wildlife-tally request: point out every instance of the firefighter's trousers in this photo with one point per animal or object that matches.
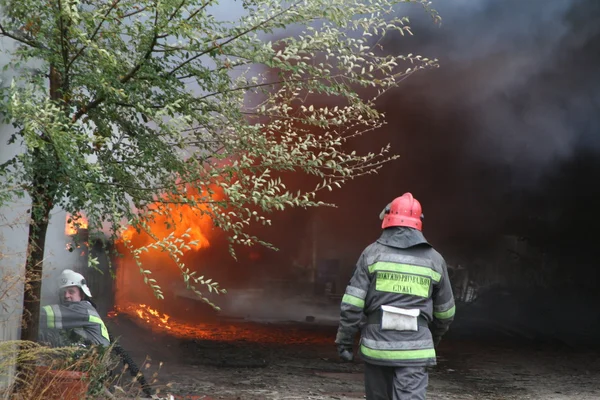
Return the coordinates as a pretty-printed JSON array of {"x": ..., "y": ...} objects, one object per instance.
[{"x": 395, "y": 383}]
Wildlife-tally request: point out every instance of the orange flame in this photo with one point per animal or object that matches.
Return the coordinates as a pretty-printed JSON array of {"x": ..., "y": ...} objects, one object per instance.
[
  {"x": 164, "y": 219},
  {"x": 150, "y": 316},
  {"x": 74, "y": 223},
  {"x": 177, "y": 219},
  {"x": 221, "y": 330}
]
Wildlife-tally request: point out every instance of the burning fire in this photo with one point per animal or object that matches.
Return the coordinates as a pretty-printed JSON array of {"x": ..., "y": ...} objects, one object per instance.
[
  {"x": 74, "y": 223},
  {"x": 146, "y": 314},
  {"x": 255, "y": 333},
  {"x": 137, "y": 302},
  {"x": 167, "y": 219},
  {"x": 177, "y": 219}
]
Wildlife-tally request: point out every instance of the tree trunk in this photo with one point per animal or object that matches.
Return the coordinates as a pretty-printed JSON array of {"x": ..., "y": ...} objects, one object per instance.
[
  {"x": 42, "y": 201},
  {"x": 38, "y": 225},
  {"x": 42, "y": 193}
]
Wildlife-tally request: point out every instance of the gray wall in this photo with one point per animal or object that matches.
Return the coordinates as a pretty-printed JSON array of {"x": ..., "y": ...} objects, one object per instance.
[{"x": 13, "y": 236}]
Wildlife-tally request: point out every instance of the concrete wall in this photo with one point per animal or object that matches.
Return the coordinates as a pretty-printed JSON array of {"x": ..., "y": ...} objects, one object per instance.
[
  {"x": 13, "y": 234},
  {"x": 13, "y": 240}
]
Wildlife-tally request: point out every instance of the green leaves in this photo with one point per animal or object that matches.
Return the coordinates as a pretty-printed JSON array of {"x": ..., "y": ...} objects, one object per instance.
[{"x": 152, "y": 101}]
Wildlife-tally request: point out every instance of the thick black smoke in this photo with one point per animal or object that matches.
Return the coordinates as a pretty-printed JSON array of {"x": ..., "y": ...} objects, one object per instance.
[
  {"x": 522, "y": 73},
  {"x": 485, "y": 137},
  {"x": 502, "y": 139}
]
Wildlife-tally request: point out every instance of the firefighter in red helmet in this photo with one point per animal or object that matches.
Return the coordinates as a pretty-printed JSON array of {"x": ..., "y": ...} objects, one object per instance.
[{"x": 401, "y": 299}]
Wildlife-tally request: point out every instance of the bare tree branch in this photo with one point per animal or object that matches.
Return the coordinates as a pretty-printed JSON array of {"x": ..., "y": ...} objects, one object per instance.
[
  {"x": 231, "y": 39},
  {"x": 176, "y": 10},
  {"x": 96, "y": 31},
  {"x": 21, "y": 38},
  {"x": 131, "y": 14},
  {"x": 194, "y": 13},
  {"x": 96, "y": 102}
]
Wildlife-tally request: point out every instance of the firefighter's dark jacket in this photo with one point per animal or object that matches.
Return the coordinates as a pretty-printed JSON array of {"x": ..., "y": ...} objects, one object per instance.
[
  {"x": 78, "y": 320},
  {"x": 400, "y": 269}
]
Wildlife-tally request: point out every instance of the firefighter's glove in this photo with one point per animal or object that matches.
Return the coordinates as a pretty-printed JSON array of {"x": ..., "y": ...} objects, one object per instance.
[
  {"x": 345, "y": 352},
  {"x": 344, "y": 340}
]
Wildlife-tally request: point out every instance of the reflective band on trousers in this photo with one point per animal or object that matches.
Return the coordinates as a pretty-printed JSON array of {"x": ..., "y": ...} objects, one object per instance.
[
  {"x": 355, "y": 301},
  {"x": 397, "y": 354},
  {"x": 49, "y": 316},
  {"x": 99, "y": 321},
  {"x": 406, "y": 268},
  {"x": 445, "y": 314}
]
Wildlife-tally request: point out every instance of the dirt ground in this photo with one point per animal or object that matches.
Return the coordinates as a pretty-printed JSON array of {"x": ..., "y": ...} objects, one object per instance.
[{"x": 299, "y": 361}]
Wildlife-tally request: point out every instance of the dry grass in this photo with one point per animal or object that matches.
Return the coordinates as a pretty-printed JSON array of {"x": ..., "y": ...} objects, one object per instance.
[
  {"x": 69, "y": 373},
  {"x": 47, "y": 373}
]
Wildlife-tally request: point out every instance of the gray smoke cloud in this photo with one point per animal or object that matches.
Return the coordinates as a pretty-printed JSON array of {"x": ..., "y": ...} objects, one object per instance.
[
  {"x": 519, "y": 72},
  {"x": 514, "y": 101},
  {"x": 516, "y": 98}
]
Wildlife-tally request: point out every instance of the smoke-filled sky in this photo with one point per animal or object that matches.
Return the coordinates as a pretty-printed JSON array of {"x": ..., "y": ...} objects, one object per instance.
[
  {"x": 504, "y": 133},
  {"x": 521, "y": 72},
  {"x": 494, "y": 141}
]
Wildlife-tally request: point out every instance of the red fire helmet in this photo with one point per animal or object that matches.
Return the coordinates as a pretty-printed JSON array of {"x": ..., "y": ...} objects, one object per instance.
[{"x": 403, "y": 211}]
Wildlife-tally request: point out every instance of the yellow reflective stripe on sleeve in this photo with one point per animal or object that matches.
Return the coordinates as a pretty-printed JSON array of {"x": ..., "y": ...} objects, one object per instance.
[
  {"x": 445, "y": 314},
  {"x": 353, "y": 300},
  {"x": 49, "y": 316},
  {"x": 406, "y": 268},
  {"x": 397, "y": 354},
  {"x": 99, "y": 321}
]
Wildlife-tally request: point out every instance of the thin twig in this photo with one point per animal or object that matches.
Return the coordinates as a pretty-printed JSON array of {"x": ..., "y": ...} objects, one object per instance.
[{"x": 96, "y": 31}]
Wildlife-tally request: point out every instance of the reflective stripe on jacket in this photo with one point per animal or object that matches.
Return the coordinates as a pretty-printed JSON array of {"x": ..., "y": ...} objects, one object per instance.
[
  {"x": 402, "y": 270},
  {"x": 80, "y": 317}
]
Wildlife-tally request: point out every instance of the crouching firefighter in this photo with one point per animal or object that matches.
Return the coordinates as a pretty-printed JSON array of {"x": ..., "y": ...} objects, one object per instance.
[
  {"x": 75, "y": 319},
  {"x": 401, "y": 299}
]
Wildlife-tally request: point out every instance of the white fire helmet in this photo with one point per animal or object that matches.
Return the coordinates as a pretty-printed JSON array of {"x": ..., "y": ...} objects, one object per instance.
[{"x": 71, "y": 278}]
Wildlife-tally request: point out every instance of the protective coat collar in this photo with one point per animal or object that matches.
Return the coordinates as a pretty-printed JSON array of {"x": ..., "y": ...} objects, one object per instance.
[{"x": 402, "y": 237}]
